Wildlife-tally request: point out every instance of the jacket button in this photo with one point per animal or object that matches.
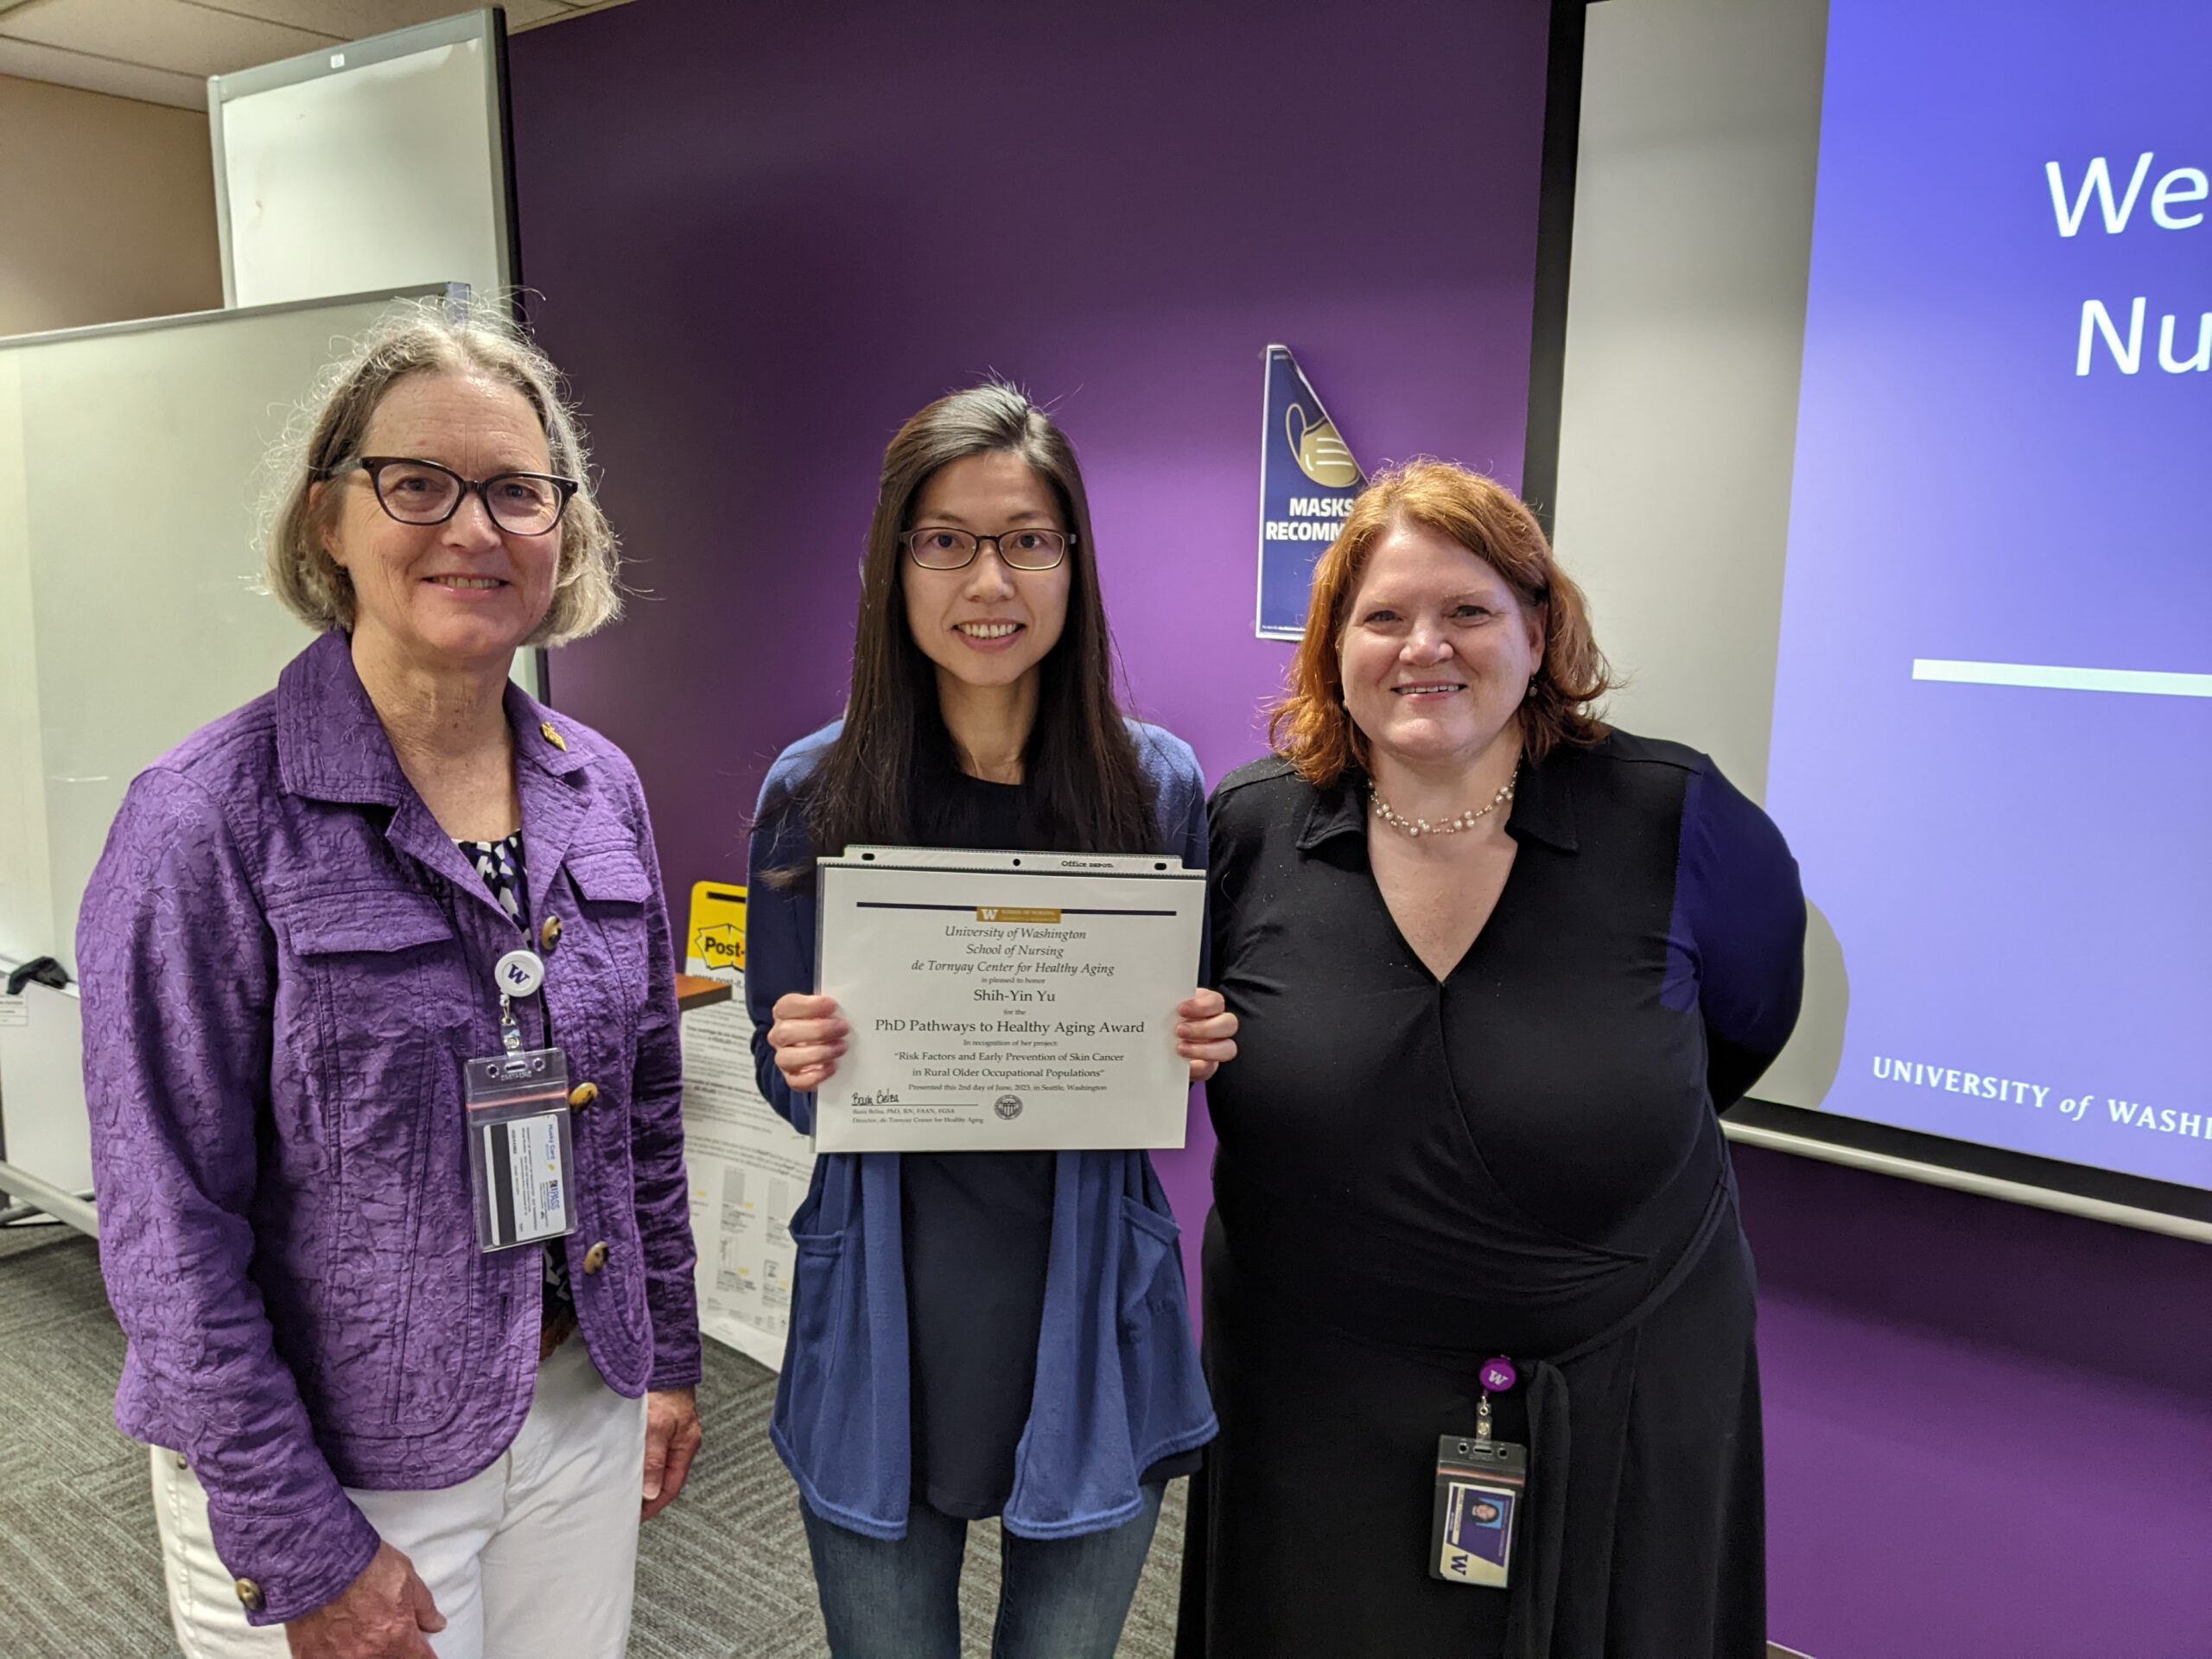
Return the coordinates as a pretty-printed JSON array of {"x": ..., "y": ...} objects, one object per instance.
[
  {"x": 250, "y": 1595},
  {"x": 549, "y": 935},
  {"x": 595, "y": 1257},
  {"x": 583, "y": 1096}
]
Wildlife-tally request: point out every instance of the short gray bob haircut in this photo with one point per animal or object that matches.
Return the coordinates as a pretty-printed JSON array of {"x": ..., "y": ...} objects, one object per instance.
[{"x": 425, "y": 337}]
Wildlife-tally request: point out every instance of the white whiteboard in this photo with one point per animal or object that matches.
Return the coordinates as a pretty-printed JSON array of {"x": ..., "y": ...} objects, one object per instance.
[
  {"x": 378, "y": 165},
  {"x": 129, "y": 462}
]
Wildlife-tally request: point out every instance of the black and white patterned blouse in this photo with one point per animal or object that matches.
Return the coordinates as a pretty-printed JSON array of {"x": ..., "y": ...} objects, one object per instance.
[{"x": 500, "y": 863}]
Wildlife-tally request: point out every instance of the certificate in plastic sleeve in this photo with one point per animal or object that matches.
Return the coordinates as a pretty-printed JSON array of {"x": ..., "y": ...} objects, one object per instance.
[{"x": 1006, "y": 1001}]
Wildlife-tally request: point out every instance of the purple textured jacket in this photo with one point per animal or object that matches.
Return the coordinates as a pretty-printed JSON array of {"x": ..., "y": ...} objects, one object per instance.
[{"x": 285, "y": 962}]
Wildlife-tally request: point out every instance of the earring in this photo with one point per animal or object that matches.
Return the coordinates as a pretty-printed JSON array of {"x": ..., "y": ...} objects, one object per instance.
[{"x": 1529, "y": 696}]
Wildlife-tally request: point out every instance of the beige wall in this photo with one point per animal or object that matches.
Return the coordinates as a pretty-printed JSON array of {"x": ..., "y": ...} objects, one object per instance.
[{"x": 107, "y": 209}]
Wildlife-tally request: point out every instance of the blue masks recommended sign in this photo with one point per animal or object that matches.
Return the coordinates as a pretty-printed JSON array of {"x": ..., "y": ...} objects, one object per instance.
[{"x": 1307, "y": 483}]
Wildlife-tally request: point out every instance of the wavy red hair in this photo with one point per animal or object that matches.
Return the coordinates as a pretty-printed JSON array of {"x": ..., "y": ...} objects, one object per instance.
[{"x": 1312, "y": 728}]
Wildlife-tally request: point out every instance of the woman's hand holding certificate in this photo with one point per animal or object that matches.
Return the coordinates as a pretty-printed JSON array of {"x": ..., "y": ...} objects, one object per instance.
[
  {"x": 1205, "y": 1032},
  {"x": 807, "y": 1037}
]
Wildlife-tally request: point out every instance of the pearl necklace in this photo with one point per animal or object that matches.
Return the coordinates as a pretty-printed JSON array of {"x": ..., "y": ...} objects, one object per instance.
[{"x": 1451, "y": 826}]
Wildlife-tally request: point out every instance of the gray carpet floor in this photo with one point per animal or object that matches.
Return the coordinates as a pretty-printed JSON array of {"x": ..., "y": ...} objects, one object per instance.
[{"x": 721, "y": 1574}]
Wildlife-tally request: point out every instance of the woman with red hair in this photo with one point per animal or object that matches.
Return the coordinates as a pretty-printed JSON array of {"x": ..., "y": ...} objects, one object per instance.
[{"x": 1497, "y": 968}]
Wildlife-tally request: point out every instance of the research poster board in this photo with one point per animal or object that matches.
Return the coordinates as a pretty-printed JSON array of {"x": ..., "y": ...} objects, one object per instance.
[{"x": 749, "y": 1170}]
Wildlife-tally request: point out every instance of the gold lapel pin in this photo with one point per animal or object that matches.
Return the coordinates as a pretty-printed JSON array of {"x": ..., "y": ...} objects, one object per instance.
[{"x": 552, "y": 737}]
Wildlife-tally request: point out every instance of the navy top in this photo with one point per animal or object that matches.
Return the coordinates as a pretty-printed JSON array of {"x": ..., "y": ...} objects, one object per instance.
[
  {"x": 990, "y": 1333},
  {"x": 977, "y": 1227}
]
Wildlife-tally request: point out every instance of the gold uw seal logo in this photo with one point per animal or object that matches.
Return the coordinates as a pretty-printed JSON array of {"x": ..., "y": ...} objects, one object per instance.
[
  {"x": 1322, "y": 454},
  {"x": 1008, "y": 1106}
]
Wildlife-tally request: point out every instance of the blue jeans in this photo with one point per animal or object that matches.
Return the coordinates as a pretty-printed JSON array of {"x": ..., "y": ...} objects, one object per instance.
[{"x": 1058, "y": 1598}]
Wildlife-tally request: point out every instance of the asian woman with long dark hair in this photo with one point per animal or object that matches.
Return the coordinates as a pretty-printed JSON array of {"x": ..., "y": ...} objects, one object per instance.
[{"x": 976, "y": 1334}]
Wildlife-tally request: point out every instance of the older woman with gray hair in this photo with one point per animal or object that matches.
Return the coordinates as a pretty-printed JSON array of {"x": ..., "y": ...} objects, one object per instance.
[{"x": 381, "y": 1051}]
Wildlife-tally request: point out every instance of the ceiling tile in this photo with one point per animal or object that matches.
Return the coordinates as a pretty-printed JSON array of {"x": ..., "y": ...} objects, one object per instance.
[
  {"x": 356, "y": 20},
  {"x": 162, "y": 50},
  {"x": 173, "y": 34},
  {"x": 101, "y": 75},
  {"x": 345, "y": 20}
]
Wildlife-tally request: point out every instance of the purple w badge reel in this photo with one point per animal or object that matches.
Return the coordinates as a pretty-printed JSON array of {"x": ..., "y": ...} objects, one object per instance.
[{"x": 1479, "y": 1483}]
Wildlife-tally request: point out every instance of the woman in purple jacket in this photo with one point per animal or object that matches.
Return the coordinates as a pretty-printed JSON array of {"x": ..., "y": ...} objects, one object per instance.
[{"x": 381, "y": 1050}]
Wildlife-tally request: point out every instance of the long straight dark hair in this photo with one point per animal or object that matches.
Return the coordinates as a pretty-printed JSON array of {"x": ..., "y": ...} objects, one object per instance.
[{"x": 1086, "y": 789}]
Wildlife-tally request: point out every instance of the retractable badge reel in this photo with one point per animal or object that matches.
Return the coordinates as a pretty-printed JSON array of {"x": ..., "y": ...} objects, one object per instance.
[
  {"x": 521, "y": 1145},
  {"x": 1480, "y": 1485}
]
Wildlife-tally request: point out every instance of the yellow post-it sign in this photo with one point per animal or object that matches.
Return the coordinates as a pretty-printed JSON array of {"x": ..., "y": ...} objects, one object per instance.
[{"x": 717, "y": 934}]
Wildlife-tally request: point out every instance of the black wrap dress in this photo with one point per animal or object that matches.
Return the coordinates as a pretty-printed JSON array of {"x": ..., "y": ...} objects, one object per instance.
[{"x": 1523, "y": 1160}]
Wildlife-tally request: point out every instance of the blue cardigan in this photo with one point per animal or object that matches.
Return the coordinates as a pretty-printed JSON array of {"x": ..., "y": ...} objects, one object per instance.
[{"x": 1118, "y": 1384}]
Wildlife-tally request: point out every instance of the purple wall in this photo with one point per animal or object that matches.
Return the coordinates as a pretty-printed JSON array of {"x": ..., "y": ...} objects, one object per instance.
[
  {"x": 1989, "y": 1428},
  {"x": 765, "y": 235}
]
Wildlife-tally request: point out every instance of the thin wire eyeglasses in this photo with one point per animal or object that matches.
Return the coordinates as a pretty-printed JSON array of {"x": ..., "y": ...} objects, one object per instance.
[{"x": 939, "y": 547}]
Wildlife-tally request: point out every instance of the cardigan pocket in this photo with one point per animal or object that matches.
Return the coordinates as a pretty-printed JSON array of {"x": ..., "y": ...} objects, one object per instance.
[
  {"x": 819, "y": 1273},
  {"x": 1161, "y": 1386},
  {"x": 1151, "y": 1264}
]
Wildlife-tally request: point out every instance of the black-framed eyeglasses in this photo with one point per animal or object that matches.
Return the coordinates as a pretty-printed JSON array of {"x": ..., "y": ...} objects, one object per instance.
[
  {"x": 417, "y": 492},
  {"x": 939, "y": 547}
]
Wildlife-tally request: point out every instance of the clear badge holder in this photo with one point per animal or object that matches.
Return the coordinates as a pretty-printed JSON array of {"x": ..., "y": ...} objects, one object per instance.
[
  {"x": 521, "y": 1147},
  {"x": 1481, "y": 1484}
]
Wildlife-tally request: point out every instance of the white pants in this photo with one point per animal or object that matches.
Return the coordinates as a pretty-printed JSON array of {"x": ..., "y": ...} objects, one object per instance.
[{"x": 534, "y": 1557}]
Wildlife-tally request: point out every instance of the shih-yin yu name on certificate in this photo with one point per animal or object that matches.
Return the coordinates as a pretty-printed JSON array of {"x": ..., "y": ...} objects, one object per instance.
[{"x": 1006, "y": 1001}]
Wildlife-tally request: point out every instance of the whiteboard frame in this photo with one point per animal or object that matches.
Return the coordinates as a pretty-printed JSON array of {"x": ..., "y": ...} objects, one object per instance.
[
  {"x": 487, "y": 26},
  {"x": 187, "y": 319}
]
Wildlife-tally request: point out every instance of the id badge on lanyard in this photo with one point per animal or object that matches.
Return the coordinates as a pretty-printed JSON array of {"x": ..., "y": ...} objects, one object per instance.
[
  {"x": 521, "y": 1142},
  {"x": 1481, "y": 1484}
]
